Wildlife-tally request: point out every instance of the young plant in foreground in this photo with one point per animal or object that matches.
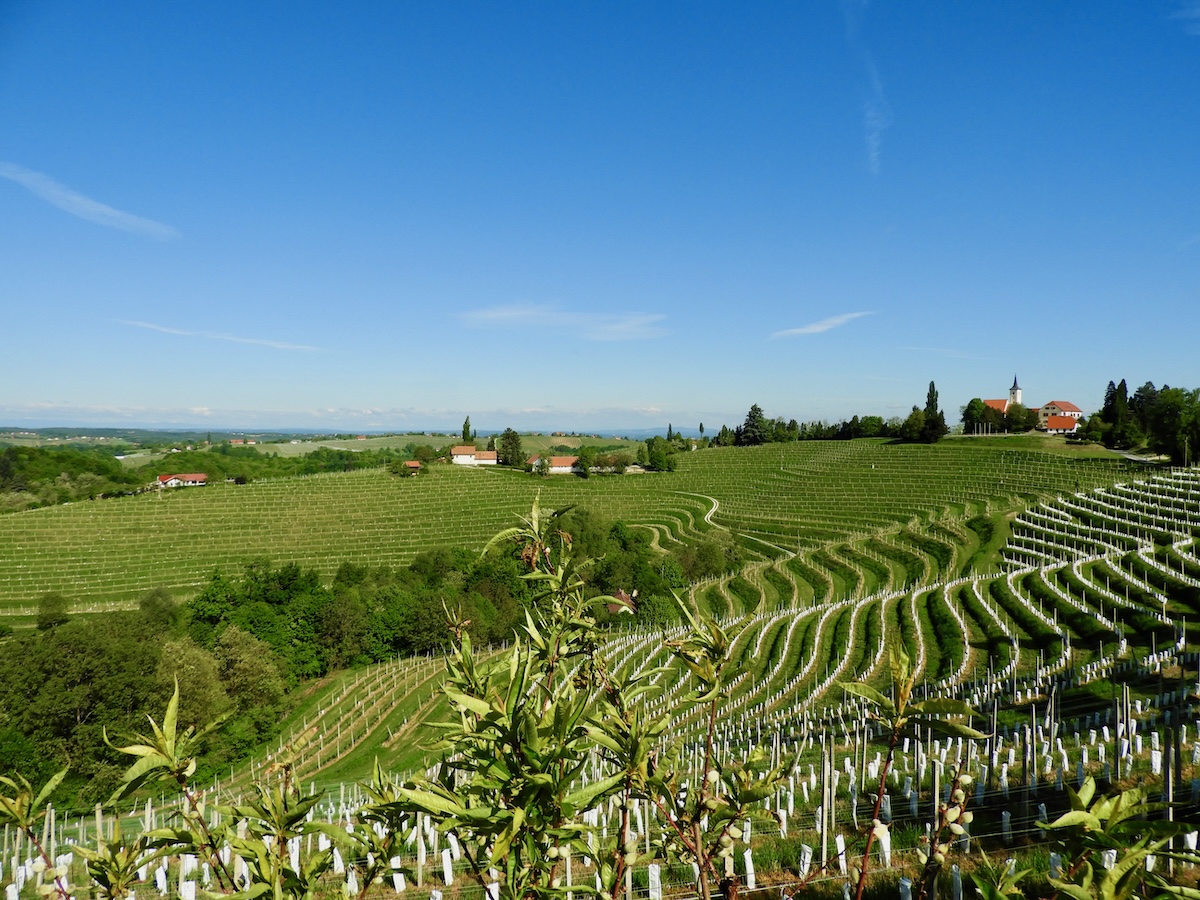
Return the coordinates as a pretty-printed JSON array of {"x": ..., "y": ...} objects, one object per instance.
[
  {"x": 952, "y": 822},
  {"x": 1107, "y": 845},
  {"x": 168, "y": 755},
  {"x": 705, "y": 821},
  {"x": 509, "y": 788},
  {"x": 25, "y": 812},
  {"x": 115, "y": 866},
  {"x": 897, "y": 713}
]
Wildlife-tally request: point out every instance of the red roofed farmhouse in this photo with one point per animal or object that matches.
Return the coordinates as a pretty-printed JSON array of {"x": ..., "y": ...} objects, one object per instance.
[
  {"x": 558, "y": 465},
  {"x": 1060, "y": 424},
  {"x": 467, "y": 455},
  {"x": 463, "y": 455},
  {"x": 1059, "y": 408},
  {"x": 193, "y": 479}
]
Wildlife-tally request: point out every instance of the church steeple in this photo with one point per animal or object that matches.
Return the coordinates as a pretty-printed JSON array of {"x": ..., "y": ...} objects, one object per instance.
[{"x": 1014, "y": 392}]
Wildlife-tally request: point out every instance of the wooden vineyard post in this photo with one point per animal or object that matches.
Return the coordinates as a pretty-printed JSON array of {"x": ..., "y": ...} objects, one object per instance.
[
  {"x": 936, "y": 787},
  {"x": 1169, "y": 787},
  {"x": 991, "y": 744},
  {"x": 826, "y": 800},
  {"x": 420, "y": 850}
]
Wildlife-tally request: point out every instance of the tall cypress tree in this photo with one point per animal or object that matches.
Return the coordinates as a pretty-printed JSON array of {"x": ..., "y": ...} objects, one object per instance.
[{"x": 935, "y": 422}]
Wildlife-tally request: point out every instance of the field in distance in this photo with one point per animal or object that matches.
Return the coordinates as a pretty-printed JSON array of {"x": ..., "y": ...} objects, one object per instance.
[{"x": 777, "y": 498}]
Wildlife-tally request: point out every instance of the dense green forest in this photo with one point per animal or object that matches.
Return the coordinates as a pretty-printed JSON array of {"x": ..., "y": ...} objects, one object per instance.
[
  {"x": 1164, "y": 420},
  {"x": 31, "y": 477},
  {"x": 241, "y": 645}
]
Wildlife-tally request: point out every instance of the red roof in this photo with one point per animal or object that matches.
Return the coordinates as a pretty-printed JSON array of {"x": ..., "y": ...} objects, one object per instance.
[
  {"x": 413, "y": 463},
  {"x": 563, "y": 462},
  {"x": 998, "y": 405},
  {"x": 463, "y": 450},
  {"x": 193, "y": 476},
  {"x": 484, "y": 455},
  {"x": 1061, "y": 423},
  {"x": 1065, "y": 405}
]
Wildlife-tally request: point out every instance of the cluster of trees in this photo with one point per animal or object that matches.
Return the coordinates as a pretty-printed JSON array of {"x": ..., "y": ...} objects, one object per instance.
[
  {"x": 31, "y": 477},
  {"x": 1163, "y": 420},
  {"x": 926, "y": 424},
  {"x": 1166, "y": 420},
  {"x": 244, "y": 641},
  {"x": 756, "y": 429},
  {"x": 63, "y": 685},
  {"x": 979, "y": 418},
  {"x": 615, "y": 461},
  {"x": 243, "y": 463}
]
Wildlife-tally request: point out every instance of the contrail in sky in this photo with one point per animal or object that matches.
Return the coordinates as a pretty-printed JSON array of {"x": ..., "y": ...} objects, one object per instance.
[{"x": 84, "y": 207}]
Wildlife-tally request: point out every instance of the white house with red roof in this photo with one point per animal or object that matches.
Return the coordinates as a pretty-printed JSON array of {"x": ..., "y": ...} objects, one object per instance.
[
  {"x": 1059, "y": 408},
  {"x": 467, "y": 455},
  {"x": 1059, "y": 424},
  {"x": 558, "y": 465},
  {"x": 191, "y": 479}
]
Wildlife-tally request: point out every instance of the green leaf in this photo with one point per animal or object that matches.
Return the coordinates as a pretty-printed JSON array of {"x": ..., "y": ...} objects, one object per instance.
[
  {"x": 171, "y": 717},
  {"x": 585, "y": 797},
  {"x": 471, "y": 704},
  {"x": 50, "y": 787},
  {"x": 432, "y": 803},
  {"x": 1076, "y": 818},
  {"x": 1072, "y": 890},
  {"x": 870, "y": 694},
  {"x": 1087, "y": 790}
]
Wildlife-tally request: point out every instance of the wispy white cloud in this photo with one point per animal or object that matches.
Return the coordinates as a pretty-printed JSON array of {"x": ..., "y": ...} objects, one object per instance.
[
  {"x": 84, "y": 207},
  {"x": 877, "y": 114},
  {"x": 587, "y": 325},
  {"x": 823, "y": 325},
  {"x": 214, "y": 336},
  {"x": 1189, "y": 14}
]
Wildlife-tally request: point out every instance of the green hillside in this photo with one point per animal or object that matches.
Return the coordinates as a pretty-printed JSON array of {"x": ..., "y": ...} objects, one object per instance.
[{"x": 792, "y": 496}]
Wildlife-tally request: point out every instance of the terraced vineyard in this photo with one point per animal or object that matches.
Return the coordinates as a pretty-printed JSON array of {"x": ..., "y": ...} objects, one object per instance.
[
  {"x": 779, "y": 498},
  {"x": 1089, "y": 580},
  {"x": 1051, "y": 594}
]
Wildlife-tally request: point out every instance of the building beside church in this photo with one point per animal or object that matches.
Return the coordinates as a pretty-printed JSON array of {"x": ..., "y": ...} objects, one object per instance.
[
  {"x": 1056, "y": 417},
  {"x": 1059, "y": 408}
]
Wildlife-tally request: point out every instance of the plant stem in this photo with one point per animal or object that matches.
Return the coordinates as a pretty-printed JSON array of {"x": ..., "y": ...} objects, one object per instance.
[{"x": 887, "y": 765}]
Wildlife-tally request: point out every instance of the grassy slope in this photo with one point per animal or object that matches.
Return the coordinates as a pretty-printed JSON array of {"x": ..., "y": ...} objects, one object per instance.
[
  {"x": 793, "y": 496},
  {"x": 399, "y": 733}
]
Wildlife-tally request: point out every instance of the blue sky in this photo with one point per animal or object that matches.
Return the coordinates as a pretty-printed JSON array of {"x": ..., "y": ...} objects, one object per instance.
[{"x": 380, "y": 216}]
